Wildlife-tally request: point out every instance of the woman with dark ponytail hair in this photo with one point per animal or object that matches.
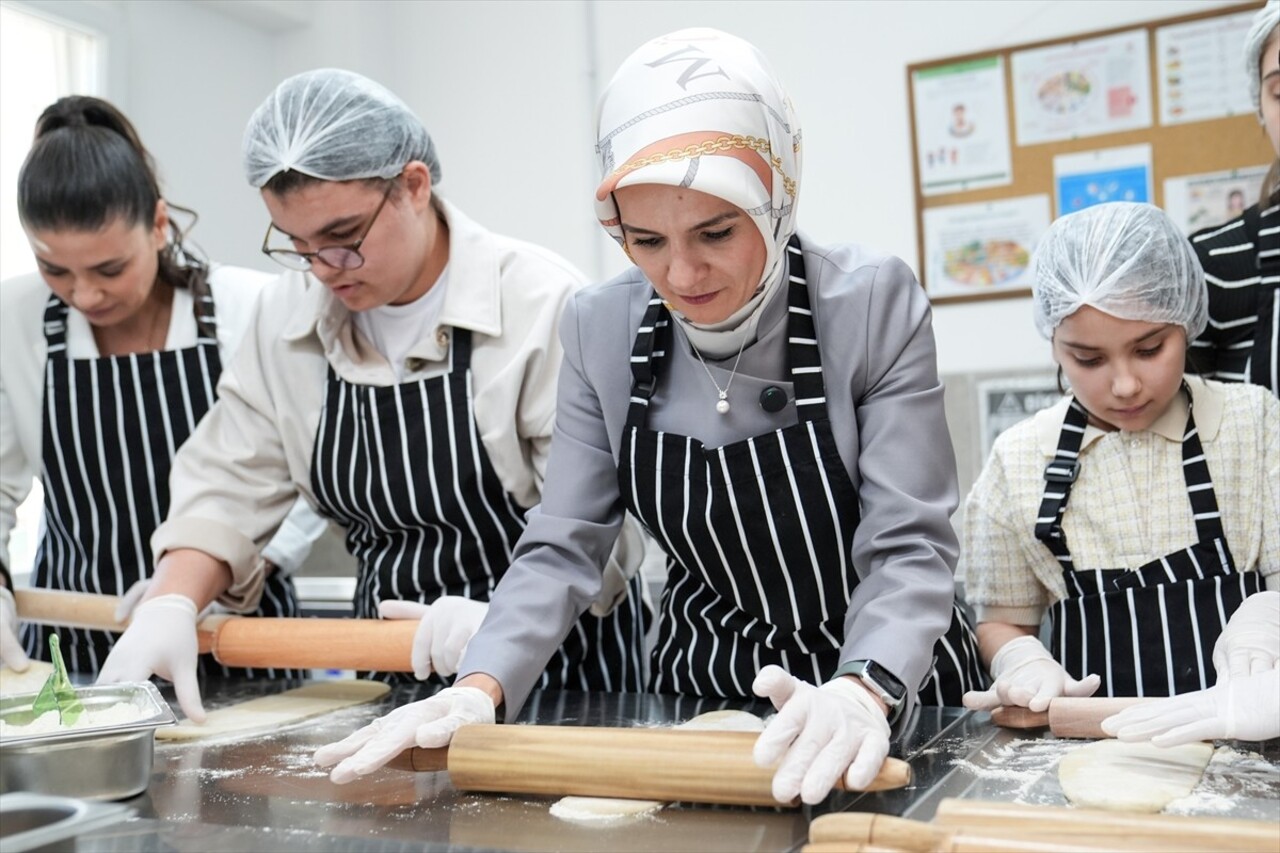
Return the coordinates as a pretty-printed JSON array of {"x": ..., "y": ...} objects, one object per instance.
[{"x": 112, "y": 354}]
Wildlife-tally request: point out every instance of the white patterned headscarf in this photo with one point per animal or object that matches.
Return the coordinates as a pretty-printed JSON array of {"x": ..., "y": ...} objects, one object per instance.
[{"x": 700, "y": 108}]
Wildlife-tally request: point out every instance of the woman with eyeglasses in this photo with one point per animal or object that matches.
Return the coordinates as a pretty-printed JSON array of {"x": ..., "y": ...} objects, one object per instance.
[
  {"x": 402, "y": 378},
  {"x": 112, "y": 355}
]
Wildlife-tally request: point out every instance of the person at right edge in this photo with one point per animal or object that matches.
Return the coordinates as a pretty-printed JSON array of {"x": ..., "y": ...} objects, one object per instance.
[{"x": 1241, "y": 258}]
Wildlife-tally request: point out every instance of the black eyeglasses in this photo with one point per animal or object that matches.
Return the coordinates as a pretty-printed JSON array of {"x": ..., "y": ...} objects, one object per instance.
[{"x": 346, "y": 257}]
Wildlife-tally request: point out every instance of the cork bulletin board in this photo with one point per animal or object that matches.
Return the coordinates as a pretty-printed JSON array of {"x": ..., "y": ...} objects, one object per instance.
[{"x": 1139, "y": 102}]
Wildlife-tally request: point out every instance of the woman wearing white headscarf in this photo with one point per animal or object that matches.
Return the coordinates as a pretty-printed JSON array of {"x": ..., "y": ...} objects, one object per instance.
[
  {"x": 769, "y": 408},
  {"x": 402, "y": 379}
]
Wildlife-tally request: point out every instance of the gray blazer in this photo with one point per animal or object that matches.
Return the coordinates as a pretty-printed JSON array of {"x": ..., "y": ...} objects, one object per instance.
[{"x": 885, "y": 404}]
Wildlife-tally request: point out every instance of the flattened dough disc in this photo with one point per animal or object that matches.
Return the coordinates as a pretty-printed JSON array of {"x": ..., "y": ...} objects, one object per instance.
[
  {"x": 270, "y": 712},
  {"x": 29, "y": 681},
  {"x": 1131, "y": 777}
]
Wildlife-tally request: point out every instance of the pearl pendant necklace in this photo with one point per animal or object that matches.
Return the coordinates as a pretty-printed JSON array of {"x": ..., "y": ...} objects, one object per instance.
[{"x": 722, "y": 403}]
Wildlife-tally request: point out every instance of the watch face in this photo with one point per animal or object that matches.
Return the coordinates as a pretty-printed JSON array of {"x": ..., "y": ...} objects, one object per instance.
[{"x": 885, "y": 679}]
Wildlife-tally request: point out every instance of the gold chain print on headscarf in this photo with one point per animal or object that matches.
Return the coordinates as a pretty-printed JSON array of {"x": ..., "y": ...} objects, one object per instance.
[{"x": 714, "y": 146}]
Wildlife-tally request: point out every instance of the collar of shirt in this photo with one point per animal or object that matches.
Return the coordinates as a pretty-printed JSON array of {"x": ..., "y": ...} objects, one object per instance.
[
  {"x": 181, "y": 334},
  {"x": 472, "y": 301},
  {"x": 1170, "y": 425}
]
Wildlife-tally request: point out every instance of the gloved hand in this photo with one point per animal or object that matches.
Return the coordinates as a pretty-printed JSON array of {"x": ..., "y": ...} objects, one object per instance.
[
  {"x": 1244, "y": 708},
  {"x": 1251, "y": 641},
  {"x": 161, "y": 639},
  {"x": 428, "y": 723},
  {"x": 819, "y": 735},
  {"x": 1027, "y": 675},
  {"x": 445, "y": 628},
  {"x": 11, "y": 652}
]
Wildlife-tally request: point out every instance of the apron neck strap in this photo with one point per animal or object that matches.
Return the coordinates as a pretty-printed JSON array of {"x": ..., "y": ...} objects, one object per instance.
[
  {"x": 804, "y": 361},
  {"x": 1061, "y": 473}
]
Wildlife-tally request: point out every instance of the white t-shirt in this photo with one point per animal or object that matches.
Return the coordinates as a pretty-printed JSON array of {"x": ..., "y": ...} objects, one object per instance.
[{"x": 394, "y": 330}]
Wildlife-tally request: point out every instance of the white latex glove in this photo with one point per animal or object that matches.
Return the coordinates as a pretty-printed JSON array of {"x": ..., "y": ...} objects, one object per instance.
[
  {"x": 1027, "y": 675},
  {"x": 160, "y": 640},
  {"x": 11, "y": 652},
  {"x": 1251, "y": 641},
  {"x": 428, "y": 723},
  {"x": 445, "y": 628},
  {"x": 819, "y": 735},
  {"x": 1244, "y": 708}
]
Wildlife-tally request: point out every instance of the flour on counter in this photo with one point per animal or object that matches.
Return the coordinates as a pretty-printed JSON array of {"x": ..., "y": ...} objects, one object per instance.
[
  {"x": 48, "y": 722},
  {"x": 1235, "y": 783}
]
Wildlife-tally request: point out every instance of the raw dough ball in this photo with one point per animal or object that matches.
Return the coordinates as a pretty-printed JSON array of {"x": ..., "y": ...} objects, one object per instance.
[
  {"x": 1131, "y": 777},
  {"x": 724, "y": 721},
  {"x": 601, "y": 809}
]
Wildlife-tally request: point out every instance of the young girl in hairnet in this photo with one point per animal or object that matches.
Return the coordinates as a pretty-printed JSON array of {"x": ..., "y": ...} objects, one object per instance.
[
  {"x": 401, "y": 376},
  {"x": 1141, "y": 511}
]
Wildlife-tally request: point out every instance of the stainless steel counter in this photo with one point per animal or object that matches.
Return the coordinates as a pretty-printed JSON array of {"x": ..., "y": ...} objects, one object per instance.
[{"x": 264, "y": 793}]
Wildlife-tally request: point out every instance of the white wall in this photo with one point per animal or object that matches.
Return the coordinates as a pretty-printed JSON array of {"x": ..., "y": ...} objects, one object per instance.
[
  {"x": 507, "y": 87},
  {"x": 508, "y": 90}
]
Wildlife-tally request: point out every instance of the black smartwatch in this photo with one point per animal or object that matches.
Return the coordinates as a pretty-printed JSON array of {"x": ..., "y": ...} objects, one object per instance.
[{"x": 879, "y": 681}]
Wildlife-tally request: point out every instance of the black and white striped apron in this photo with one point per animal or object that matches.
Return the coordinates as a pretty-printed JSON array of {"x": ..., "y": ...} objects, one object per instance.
[
  {"x": 111, "y": 428},
  {"x": 1264, "y": 360},
  {"x": 758, "y": 534},
  {"x": 403, "y": 468},
  {"x": 1150, "y": 631},
  {"x": 1241, "y": 261}
]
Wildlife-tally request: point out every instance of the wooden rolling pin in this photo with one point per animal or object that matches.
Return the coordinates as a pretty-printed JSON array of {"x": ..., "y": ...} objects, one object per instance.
[
  {"x": 867, "y": 828},
  {"x": 596, "y": 761},
  {"x": 1171, "y": 832},
  {"x": 251, "y": 641},
  {"x": 1067, "y": 716}
]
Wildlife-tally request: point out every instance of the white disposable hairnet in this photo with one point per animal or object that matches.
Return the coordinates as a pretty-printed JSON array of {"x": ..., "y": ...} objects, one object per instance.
[
  {"x": 1125, "y": 259},
  {"x": 334, "y": 125},
  {"x": 1264, "y": 24}
]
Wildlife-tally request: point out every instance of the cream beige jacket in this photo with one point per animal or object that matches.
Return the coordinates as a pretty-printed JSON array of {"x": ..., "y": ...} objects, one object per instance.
[{"x": 235, "y": 478}]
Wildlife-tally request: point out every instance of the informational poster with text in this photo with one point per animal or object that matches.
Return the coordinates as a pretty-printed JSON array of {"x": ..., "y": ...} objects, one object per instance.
[
  {"x": 1084, "y": 88},
  {"x": 1194, "y": 202},
  {"x": 1198, "y": 69},
  {"x": 962, "y": 126},
  {"x": 1086, "y": 178},
  {"x": 982, "y": 248}
]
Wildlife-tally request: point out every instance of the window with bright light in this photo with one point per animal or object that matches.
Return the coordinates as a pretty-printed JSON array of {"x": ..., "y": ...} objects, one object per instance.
[{"x": 41, "y": 60}]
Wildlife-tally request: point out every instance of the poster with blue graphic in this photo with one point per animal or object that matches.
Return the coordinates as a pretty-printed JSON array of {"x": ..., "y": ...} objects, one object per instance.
[{"x": 1087, "y": 178}]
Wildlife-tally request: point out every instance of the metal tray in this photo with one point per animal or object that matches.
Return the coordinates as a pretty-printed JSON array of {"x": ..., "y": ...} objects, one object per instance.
[
  {"x": 99, "y": 762},
  {"x": 155, "y": 712}
]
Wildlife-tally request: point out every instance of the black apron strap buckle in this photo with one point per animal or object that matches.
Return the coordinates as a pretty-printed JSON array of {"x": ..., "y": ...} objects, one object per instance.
[{"x": 1062, "y": 472}]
